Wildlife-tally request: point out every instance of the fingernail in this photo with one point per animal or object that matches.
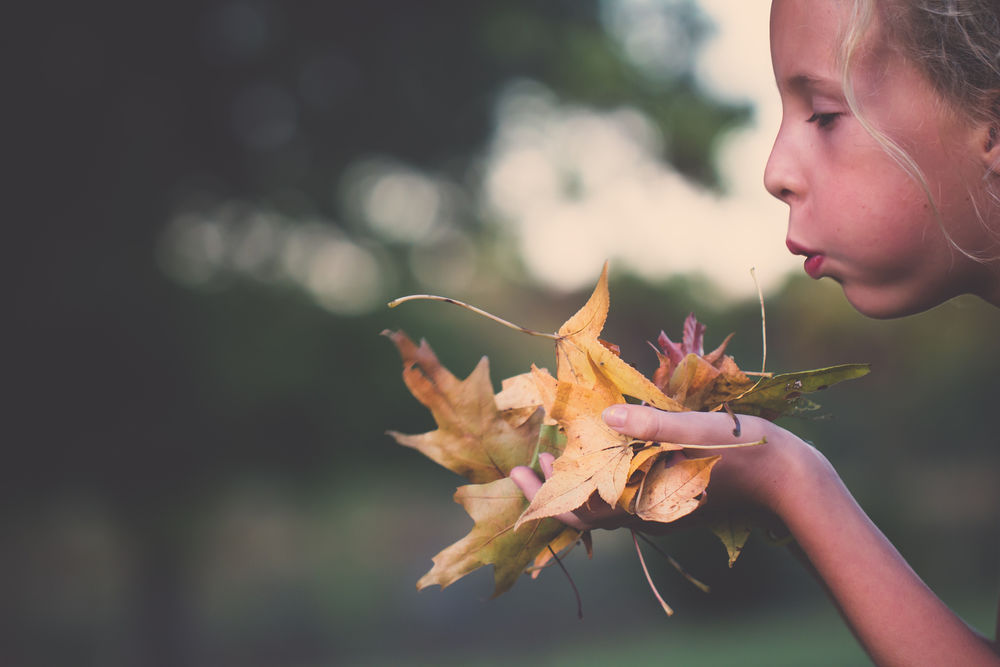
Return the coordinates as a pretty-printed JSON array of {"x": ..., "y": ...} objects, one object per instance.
[{"x": 614, "y": 416}]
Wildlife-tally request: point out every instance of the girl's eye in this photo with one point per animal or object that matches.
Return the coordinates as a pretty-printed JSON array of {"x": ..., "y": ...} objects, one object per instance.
[{"x": 823, "y": 120}]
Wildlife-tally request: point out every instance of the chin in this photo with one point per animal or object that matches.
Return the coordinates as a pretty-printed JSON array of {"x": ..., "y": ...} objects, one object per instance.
[{"x": 886, "y": 305}]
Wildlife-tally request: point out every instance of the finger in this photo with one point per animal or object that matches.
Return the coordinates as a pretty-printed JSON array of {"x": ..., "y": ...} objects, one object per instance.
[
  {"x": 526, "y": 480},
  {"x": 545, "y": 461},
  {"x": 701, "y": 428},
  {"x": 573, "y": 521}
]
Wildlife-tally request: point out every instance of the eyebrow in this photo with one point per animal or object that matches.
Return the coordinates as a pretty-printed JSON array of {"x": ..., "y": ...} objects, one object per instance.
[
  {"x": 804, "y": 81},
  {"x": 805, "y": 84}
]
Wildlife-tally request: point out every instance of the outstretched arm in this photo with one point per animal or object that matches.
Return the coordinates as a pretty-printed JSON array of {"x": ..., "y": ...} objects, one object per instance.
[{"x": 895, "y": 616}]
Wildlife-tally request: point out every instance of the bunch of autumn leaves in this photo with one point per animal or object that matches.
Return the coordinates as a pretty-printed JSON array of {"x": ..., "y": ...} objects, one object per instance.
[{"x": 482, "y": 436}]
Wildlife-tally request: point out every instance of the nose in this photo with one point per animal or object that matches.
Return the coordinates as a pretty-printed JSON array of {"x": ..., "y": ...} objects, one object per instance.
[{"x": 782, "y": 177}]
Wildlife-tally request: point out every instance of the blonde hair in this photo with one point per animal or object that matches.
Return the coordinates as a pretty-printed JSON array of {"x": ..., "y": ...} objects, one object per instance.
[{"x": 956, "y": 44}]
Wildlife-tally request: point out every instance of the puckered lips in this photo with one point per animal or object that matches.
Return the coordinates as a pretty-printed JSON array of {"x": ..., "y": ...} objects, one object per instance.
[{"x": 813, "y": 263}]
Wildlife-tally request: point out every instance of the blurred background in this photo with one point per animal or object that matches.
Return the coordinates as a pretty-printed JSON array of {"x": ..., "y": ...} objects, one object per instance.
[{"x": 210, "y": 204}]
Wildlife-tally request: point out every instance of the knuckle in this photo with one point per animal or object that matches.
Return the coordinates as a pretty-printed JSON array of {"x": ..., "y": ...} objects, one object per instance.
[{"x": 645, "y": 423}]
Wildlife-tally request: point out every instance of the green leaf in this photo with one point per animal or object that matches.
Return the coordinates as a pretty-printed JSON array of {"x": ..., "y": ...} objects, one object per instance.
[
  {"x": 782, "y": 394},
  {"x": 550, "y": 440}
]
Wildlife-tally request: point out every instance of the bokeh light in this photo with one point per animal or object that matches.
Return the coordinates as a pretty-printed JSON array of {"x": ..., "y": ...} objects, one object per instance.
[
  {"x": 240, "y": 240},
  {"x": 578, "y": 186}
]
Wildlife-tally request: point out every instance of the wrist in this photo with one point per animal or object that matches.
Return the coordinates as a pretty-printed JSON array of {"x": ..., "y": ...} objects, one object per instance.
[{"x": 800, "y": 472}]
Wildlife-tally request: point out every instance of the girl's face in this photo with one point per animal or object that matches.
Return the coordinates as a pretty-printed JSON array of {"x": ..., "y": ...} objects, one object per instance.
[{"x": 854, "y": 213}]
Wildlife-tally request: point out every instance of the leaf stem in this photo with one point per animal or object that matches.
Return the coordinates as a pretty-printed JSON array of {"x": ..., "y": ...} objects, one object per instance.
[
  {"x": 736, "y": 420},
  {"x": 649, "y": 579},
  {"x": 478, "y": 311},
  {"x": 731, "y": 446},
  {"x": 677, "y": 566},
  {"x": 763, "y": 321},
  {"x": 576, "y": 592}
]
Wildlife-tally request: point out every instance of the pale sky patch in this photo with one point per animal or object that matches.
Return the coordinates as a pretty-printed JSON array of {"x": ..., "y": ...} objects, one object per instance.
[{"x": 579, "y": 186}]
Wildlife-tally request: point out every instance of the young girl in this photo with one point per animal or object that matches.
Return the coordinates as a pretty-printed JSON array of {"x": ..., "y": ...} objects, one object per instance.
[{"x": 888, "y": 157}]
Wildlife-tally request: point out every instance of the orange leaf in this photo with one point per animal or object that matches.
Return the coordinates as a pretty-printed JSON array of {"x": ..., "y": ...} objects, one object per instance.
[{"x": 670, "y": 491}]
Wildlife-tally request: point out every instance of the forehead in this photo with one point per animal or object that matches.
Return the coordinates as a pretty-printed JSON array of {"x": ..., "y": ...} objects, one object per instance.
[
  {"x": 805, "y": 38},
  {"x": 808, "y": 38}
]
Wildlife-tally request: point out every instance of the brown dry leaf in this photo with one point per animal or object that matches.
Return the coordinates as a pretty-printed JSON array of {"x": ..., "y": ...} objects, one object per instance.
[
  {"x": 729, "y": 385},
  {"x": 482, "y": 442},
  {"x": 697, "y": 380},
  {"x": 673, "y": 489},
  {"x": 472, "y": 439},
  {"x": 691, "y": 380},
  {"x": 719, "y": 353},
  {"x": 518, "y": 399},
  {"x": 642, "y": 461},
  {"x": 492, "y": 541}
]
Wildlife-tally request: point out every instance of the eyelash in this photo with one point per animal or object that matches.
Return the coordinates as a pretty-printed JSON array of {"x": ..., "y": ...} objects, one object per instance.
[{"x": 822, "y": 120}]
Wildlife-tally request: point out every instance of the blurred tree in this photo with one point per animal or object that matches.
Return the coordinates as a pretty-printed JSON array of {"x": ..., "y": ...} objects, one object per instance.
[
  {"x": 127, "y": 110},
  {"x": 148, "y": 396}
]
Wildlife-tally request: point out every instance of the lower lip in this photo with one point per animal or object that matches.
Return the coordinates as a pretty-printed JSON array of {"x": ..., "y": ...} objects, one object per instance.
[{"x": 814, "y": 265}]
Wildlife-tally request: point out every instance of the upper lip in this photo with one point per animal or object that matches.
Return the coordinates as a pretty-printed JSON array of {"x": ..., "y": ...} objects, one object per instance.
[{"x": 797, "y": 249}]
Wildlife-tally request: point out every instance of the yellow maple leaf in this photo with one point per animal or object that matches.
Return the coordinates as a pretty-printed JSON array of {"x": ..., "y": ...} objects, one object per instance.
[
  {"x": 581, "y": 356},
  {"x": 596, "y": 457}
]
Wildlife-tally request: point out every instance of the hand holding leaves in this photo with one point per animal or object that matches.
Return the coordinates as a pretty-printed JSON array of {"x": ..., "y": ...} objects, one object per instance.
[{"x": 483, "y": 436}]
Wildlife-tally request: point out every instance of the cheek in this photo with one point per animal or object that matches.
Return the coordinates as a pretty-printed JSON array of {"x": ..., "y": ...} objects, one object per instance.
[
  {"x": 899, "y": 231},
  {"x": 882, "y": 235},
  {"x": 893, "y": 208}
]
